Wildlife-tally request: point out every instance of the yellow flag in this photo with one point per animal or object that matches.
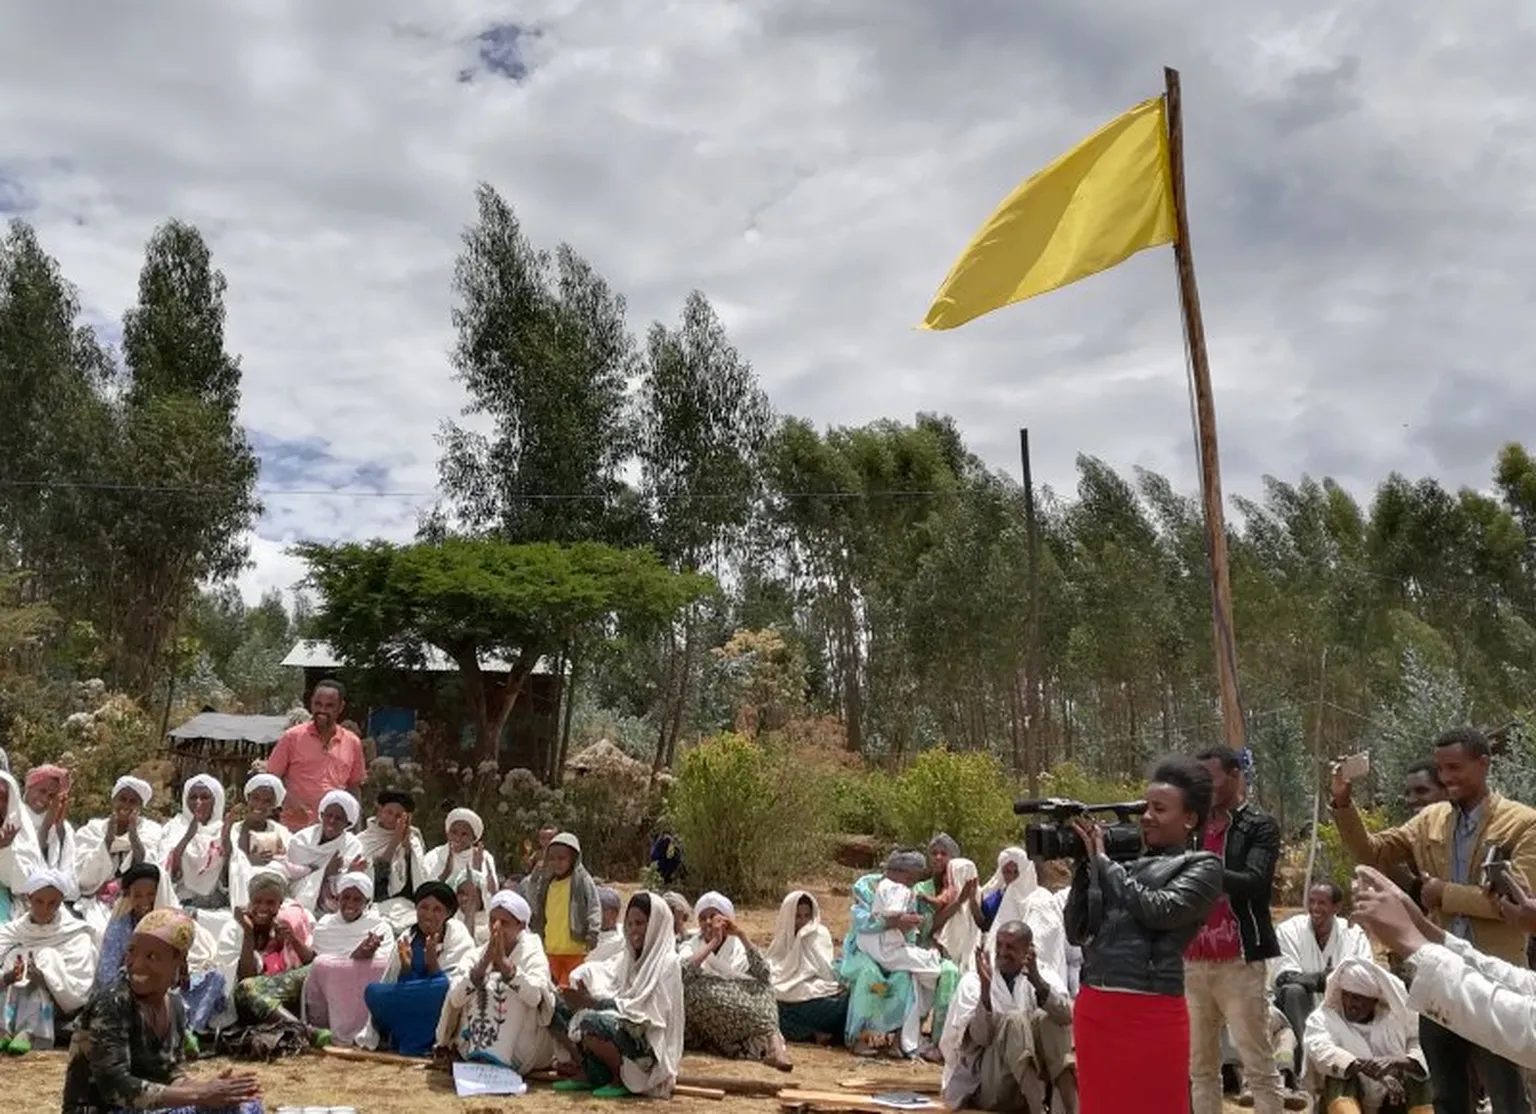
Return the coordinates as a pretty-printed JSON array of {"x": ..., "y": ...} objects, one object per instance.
[{"x": 1100, "y": 203}]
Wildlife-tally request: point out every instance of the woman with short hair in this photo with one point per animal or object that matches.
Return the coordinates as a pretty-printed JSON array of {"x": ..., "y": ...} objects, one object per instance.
[
  {"x": 267, "y": 952},
  {"x": 396, "y": 854}
]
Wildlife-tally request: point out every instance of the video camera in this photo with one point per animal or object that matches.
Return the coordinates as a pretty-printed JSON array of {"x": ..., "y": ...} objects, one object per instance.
[{"x": 1054, "y": 838}]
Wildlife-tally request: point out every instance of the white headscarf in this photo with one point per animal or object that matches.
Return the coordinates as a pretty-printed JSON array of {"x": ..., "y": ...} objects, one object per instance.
[
  {"x": 468, "y": 816},
  {"x": 141, "y": 788},
  {"x": 22, "y": 857},
  {"x": 355, "y": 880},
  {"x": 64, "y": 949},
  {"x": 267, "y": 781},
  {"x": 1026, "y": 880},
  {"x": 649, "y": 987},
  {"x": 961, "y": 935},
  {"x": 714, "y": 901},
  {"x": 347, "y": 802},
  {"x": 801, "y": 962},
  {"x": 510, "y": 901},
  {"x": 445, "y": 860},
  {"x": 202, "y": 864},
  {"x": 1370, "y": 980},
  {"x": 44, "y": 877}
]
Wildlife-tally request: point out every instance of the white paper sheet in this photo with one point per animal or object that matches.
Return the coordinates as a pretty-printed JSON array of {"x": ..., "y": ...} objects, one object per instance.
[{"x": 470, "y": 1080}]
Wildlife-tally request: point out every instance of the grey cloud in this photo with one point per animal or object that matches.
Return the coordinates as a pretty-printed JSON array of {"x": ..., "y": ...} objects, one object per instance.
[{"x": 1358, "y": 179}]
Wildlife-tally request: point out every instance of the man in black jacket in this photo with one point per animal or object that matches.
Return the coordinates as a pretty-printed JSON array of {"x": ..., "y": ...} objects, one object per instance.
[{"x": 1225, "y": 965}]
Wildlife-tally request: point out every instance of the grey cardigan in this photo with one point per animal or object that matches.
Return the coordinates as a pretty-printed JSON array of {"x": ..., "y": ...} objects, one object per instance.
[{"x": 586, "y": 908}]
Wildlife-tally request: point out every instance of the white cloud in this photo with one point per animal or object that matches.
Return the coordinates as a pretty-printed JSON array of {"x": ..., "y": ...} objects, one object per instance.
[{"x": 1359, "y": 178}]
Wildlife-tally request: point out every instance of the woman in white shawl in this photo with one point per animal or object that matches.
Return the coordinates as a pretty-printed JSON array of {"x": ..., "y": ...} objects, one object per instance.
[
  {"x": 596, "y": 971},
  {"x": 958, "y": 928},
  {"x": 19, "y": 854},
  {"x": 46, "y": 792},
  {"x": 499, "y": 1010},
  {"x": 1020, "y": 897},
  {"x": 107, "y": 846},
  {"x": 397, "y": 857},
  {"x": 47, "y": 960},
  {"x": 464, "y": 852},
  {"x": 633, "y": 1042},
  {"x": 322, "y": 852},
  {"x": 191, "y": 848},
  {"x": 353, "y": 947},
  {"x": 727, "y": 991},
  {"x": 813, "y": 1006},
  {"x": 257, "y": 841},
  {"x": 1362, "y": 1043}
]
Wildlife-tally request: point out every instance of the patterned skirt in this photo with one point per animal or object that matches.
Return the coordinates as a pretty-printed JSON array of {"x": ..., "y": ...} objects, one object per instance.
[
  {"x": 258, "y": 998},
  {"x": 609, "y": 1025},
  {"x": 734, "y": 1018}
]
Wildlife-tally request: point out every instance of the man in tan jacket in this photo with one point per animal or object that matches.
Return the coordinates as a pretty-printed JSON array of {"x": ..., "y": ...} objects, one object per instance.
[{"x": 1448, "y": 842}]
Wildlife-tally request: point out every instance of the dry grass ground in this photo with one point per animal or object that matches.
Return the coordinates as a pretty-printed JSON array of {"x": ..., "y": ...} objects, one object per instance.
[{"x": 35, "y": 1083}]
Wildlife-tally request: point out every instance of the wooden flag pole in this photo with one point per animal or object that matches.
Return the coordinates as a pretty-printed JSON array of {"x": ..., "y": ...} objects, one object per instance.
[{"x": 1224, "y": 643}]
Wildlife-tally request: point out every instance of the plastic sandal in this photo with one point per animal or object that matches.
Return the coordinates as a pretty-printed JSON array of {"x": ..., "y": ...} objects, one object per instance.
[
  {"x": 612, "y": 1091},
  {"x": 572, "y": 1085},
  {"x": 19, "y": 1046}
]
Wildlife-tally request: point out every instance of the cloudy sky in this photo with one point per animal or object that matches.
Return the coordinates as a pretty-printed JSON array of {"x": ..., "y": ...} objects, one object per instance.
[{"x": 1364, "y": 219}]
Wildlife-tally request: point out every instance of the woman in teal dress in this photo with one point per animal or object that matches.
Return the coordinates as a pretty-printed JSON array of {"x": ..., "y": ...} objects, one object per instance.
[
  {"x": 877, "y": 1002},
  {"x": 934, "y": 896}
]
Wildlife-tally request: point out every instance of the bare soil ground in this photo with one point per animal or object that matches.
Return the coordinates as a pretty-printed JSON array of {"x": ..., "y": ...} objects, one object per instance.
[{"x": 35, "y": 1083}]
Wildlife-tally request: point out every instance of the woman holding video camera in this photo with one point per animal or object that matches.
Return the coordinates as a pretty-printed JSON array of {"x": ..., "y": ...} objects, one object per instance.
[{"x": 1133, "y": 921}]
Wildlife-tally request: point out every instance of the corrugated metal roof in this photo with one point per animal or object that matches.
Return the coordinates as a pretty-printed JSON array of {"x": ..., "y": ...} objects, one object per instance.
[
  {"x": 232, "y": 728},
  {"x": 309, "y": 653}
]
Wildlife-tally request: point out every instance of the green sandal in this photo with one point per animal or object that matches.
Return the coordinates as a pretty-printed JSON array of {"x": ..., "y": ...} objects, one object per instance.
[
  {"x": 570, "y": 1086},
  {"x": 613, "y": 1091},
  {"x": 19, "y": 1046},
  {"x": 320, "y": 1038}
]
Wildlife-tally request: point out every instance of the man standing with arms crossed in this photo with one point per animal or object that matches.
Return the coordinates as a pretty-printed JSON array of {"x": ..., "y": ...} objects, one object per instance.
[
  {"x": 315, "y": 757},
  {"x": 1225, "y": 967},
  {"x": 1448, "y": 841}
]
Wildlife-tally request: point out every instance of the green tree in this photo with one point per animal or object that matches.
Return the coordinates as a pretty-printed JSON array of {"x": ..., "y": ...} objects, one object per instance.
[
  {"x": 703, "y": 429},
  {"x": 546, "y": 357},
  {"x": 474, "y": 598}
]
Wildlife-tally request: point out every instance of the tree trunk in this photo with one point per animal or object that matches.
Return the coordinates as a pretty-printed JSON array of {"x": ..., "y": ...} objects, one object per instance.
[
  {"x": 684, "y": 686},
  {"x": 669, "y": 683},
  {"x": 568, "y": 692}
]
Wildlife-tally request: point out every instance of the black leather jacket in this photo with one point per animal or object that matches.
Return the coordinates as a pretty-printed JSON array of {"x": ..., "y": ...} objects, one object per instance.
[{"x": 1133, "y": 921}]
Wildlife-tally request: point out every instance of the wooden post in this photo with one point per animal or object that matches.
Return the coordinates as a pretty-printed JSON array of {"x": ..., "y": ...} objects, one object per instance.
[
  {"x": 1224, "y": 641},
  {"x": 1033, "y": 736}
]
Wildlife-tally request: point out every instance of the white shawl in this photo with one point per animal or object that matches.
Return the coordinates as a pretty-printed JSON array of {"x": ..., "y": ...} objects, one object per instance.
[
  {"x": 60, "y": 854},
  {"x": 407, "y": 870},
  {"x": 597, "y": 972},
  {"x": 202, "y": 864},
  {"x": 241, "y": 868},
  {"x": 728, "y": 961},
  {"x": 961, "y": 935},
  {"x": 801, "y": 962},
  {"x": 648, "y": 990},
  {"x": 1332, "y": 1043},
  {"x": 1300, "y": 954},
  {"x": 962, "y": 1059},
  {"x": 22, "y": 857},
  {"x": 458, "y": 861},
  {"x": 1028, "y": 901},
  {"x": 337, "y": 936},
  {"x": 308, "y": 854},
  {"x": 101, "y": 856},
  {"x": 63, "y": 949}
]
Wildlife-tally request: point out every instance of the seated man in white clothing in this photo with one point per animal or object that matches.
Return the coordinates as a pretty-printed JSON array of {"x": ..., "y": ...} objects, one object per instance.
[
  {"x": 1312, "y": 944},
  {"x": 1362, "y": 1045},
  {"x": 1007, "y": 1033},
  {"x": 895, "y": 907}
]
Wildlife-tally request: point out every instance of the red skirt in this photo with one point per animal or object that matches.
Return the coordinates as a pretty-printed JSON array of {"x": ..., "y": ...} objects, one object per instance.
[{"x": 1132, "y": 1052}]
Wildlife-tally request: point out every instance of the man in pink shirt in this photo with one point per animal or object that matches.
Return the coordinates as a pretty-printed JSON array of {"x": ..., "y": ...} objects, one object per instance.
[{"x": 316, "y": 757}]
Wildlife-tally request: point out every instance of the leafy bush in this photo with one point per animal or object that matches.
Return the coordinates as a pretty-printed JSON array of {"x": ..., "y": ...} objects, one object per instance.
[
  {"x": 97, "y": 746},
  {"x": 861, "y": 803},
  {"x": 1068, "y": 779},
  {"x": 965, "y": 794},
  {"x": 751, "y": 817},
  {"x": 1334, "y": 862}
]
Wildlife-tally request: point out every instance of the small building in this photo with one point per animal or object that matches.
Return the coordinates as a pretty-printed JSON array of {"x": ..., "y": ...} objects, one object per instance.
[
  {"x": 393, "y": 705},
  {"x": 222, "y": 744}
]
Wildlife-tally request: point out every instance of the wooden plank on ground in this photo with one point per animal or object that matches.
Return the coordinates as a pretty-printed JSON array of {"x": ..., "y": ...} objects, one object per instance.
[
  {"x": 754, "y": 1088},
  {"x": 844, "y": 1101},
  {"x": 891, "y": 1085},
  {"x": 362, "y": 1055}
]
